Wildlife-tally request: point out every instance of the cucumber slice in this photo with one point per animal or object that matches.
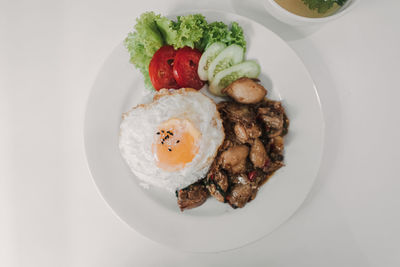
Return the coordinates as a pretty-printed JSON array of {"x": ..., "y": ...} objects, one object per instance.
[
  {"x": 208, "y": 56},
  {"x": 224, "y": 78},
  {"x": 228, "y": 57}
]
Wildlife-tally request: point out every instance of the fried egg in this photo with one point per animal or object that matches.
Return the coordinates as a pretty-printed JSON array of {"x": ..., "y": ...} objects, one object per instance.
[{"x": 171, "y": 142}]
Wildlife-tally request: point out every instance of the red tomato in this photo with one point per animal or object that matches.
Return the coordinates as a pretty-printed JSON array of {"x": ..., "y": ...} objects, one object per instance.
[
  {"x": 185, "y": 68},
  {"x": 160, "y": 68}
]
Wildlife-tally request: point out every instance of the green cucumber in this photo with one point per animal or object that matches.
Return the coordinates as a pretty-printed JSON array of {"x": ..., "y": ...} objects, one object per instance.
[
  {"x": 208, "y": 56},
  {"x": 228, "y": 57},
  {"x": 224, "y": 78}
]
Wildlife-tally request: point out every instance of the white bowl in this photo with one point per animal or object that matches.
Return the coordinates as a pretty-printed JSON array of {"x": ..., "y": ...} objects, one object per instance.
[{"x": 290, "y": 18}]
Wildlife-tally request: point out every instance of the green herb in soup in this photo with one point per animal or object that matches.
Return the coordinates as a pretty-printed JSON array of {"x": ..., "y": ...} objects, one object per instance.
[{"x": 312, "y": 8}]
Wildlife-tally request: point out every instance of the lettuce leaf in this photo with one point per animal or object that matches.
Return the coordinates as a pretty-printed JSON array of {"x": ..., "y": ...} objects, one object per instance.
[
  {"x": 219, "y": 32},
  {"x": 190, "y": 30},
  {"x": 216, "y": 32},
  {"x": 195, "y": 32},
  {"x": 236, "y": 36},
  {"x": 168, "y": 29},
  {"x": 186, "y": 31},
  {"x": 143, "y": 43}
]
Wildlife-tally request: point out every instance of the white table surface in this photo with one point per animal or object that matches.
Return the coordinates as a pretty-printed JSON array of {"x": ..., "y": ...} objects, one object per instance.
[{"x": 51, "y": 213}]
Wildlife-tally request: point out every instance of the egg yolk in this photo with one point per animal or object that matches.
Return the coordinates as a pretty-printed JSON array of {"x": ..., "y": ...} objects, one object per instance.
[{"x": 175, "y": 144}]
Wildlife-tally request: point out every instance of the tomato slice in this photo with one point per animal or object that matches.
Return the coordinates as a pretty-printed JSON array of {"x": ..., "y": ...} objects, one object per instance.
[
  {"x": 185, "y": 68},
  {"x": 160, "y": 68}
]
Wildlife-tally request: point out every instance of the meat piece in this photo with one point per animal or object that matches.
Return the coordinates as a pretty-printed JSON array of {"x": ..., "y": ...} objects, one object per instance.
[
  {"x": 277, "y": 144},
  {"x": 218, "y": 195},
  {"x": 258, "y": 154},
  {"x": 236, "y": 112},
  {"x": 192, "y": 196},
  {"x": 274, "y": 125},
  {"x": 285, "y": 124},
  {"x": 245, "y": 91},
  {"x": 246, "y": 134},
  {"x": 226, "y": 144},
  {"x": 230, "y": 136},
  {"x": 241, "y": 133},
  {"x": 253, "y": 131},
  {"x": 275, "y": 106},
  {"x": 272, "y": 116},
  {"x": 241, "y": 178},
  {"x": 217, "y": 184},
  {"x": 273, "y": 166},
  {"x": 275, "y": 148},
  {"x": 234, "y": 159},
  {"x": 240, "y": 194},
  {"x": 221, "y": 180}
]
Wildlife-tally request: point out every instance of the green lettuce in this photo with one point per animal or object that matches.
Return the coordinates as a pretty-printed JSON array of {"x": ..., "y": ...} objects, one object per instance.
[
  {"x": 219, "y": 32},
  {"x": 236, "y": 36},
  {"x": 143, "y": 43},
  {"x": 167, "y": 29},
  {"x": 216, "y": 32},
  {"x": 195, "y": 32},
  {"x": 186, "y": 31}
]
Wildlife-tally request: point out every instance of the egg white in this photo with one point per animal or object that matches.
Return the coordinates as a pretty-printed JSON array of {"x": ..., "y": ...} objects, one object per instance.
[{"x": 140, "y": 124}]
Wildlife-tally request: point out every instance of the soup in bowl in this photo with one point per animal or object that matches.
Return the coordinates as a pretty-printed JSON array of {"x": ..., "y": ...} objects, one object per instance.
[{"x": 308, "y": 12}]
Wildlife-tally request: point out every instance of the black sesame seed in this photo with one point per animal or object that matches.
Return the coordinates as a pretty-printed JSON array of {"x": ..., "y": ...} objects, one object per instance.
[
  {"x": 177, "y": 141},
  {"x": 158, "y": 132},
  {"x": 171, "y": 133},
  {"x": 162, "y": 131},
  {"x": 162, "y": 142},
  {"x": 169, "y": 149}
]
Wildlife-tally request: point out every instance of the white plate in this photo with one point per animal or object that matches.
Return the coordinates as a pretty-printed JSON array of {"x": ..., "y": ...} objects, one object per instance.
[{"x": 213, "y": 226}]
